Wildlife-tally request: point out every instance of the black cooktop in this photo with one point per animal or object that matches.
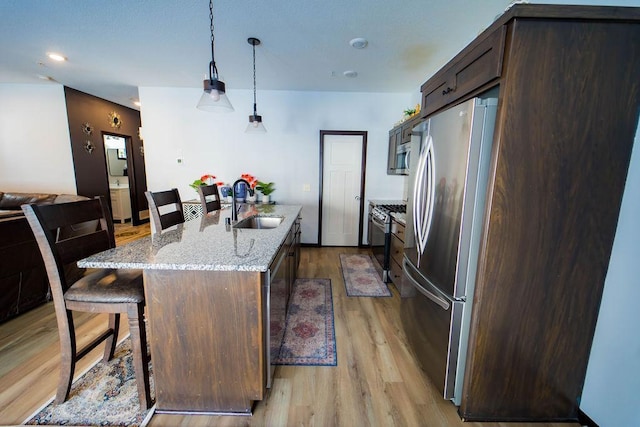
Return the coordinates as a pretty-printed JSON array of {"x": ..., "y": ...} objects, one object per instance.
[{"x": 393, "y": 207}]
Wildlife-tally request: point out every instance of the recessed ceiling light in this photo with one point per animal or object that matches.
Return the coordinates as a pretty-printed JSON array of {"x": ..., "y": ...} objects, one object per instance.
[
  {"x": 359, "y": 43},
  {"x": 56, "y": 56},
  {"x": 350, "y": 74}
]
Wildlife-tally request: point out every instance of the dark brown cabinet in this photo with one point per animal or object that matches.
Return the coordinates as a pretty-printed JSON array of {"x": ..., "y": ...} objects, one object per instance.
[
  {"x": 568, "y": 110},
  {"x": 294, "y": 251},
  {"x": 395, "y": 139},
  {"x": 399, "y": 137},
  {"x": 397, "y": 251},
  {"x": 478, "y": 64}
]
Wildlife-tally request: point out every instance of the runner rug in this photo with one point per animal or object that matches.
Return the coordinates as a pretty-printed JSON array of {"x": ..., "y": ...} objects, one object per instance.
[
  {"x": 361, "y": 278},
  {"x": 309, "y": 337},
  {"x": 106, "y": 395}
]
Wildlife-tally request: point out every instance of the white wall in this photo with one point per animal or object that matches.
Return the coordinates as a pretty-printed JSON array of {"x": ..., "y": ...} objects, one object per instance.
[
  {"x": 611, "y": 394},
  {"x": 288, "y": 154},
  {"x": 35, "y": 148}
]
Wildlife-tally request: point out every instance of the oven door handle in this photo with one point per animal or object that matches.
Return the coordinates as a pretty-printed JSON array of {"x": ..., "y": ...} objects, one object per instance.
[{"x": 380, "y": 224}]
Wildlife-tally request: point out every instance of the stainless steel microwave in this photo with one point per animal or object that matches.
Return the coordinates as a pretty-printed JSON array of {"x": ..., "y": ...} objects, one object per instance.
[{"x": 402, "y": 159}]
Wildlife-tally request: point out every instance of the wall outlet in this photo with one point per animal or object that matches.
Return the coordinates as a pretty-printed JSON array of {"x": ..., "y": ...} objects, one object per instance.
[{"x": 306, "y": 187}]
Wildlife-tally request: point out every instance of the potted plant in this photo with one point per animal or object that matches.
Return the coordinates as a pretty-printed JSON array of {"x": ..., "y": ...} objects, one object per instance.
[{"x": 266, "y": 188}]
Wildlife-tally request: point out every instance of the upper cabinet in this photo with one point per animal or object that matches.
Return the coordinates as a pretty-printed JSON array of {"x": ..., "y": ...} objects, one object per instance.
[
  {"x": 399, "y": 147},
  {"x": 395, "y": 139},
  {"x": 475, "y": 66}
]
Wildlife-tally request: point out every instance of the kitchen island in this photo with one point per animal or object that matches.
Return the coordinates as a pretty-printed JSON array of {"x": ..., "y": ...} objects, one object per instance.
[{"x": 212, "y": 291}]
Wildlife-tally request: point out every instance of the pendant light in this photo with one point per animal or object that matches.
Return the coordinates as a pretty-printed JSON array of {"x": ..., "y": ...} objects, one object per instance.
[
  {"x": 214, "y": 97},
  {"x": 255, "y": 121}
]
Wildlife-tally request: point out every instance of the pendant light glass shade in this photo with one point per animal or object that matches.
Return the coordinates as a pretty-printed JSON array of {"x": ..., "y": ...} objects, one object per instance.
[
  {"x": 214, "y": 97},
  {"x": 255, "y": 125},
  {"x": 255, "y": 121}
]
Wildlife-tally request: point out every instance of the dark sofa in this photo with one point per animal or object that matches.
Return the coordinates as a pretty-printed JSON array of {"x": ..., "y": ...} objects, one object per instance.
[{"x": 23, "y": 279}]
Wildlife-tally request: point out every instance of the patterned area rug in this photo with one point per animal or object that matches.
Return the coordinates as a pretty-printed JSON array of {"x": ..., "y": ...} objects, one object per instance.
[
  {"x": 106, "y": 396},
  {"x": 309, "y": 337},
  {"x": 361, "y": 278}
]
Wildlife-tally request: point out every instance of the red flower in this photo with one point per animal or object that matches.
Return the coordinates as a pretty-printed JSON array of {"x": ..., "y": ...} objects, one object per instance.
[
  {"x": 205, "y": 179},
  {"x": 253, "y": 182}
]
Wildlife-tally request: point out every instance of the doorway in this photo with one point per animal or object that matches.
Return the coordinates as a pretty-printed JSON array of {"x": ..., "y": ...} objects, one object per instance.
[
  {"x": 342, "y": 179},
  {"x": 123, "y": 197}
]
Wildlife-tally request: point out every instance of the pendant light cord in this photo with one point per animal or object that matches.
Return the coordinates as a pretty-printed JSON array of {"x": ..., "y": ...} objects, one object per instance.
[
  {"x": 213, "y": 71},
  {"x": 255, "y": 111}
]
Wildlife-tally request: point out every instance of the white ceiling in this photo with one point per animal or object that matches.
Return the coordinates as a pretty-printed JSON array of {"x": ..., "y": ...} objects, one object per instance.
[{"x": 115, "y": 46}]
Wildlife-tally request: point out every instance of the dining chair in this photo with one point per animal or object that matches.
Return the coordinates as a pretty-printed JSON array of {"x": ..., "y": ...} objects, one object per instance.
[
  {"x": 209, "y": 198},
  {"x": 66, "y": 233},
  {"x": 165, "y": 208}
]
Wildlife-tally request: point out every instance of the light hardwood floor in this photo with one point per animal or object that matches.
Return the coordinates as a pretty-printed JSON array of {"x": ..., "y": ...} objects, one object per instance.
[{"x": 376, "y": 381}]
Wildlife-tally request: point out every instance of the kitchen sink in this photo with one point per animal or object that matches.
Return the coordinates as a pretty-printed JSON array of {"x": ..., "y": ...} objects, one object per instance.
[{"x": 259, "y": 222}]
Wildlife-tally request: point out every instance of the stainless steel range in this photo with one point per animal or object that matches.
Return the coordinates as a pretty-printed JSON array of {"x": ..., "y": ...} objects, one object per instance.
[{"x": 380, "y": 232}]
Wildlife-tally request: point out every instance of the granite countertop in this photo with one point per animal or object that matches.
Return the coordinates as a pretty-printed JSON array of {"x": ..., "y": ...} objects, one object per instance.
[
  {"x": 400, "y": 217},
  {"x": 204, "y": 243}
]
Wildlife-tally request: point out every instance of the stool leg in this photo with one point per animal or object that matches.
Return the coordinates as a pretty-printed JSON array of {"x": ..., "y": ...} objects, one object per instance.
[
  {"x": 112, "y": 340},
  {"x": 67, "y": 335},
  {"x": 140, "y": 356}
]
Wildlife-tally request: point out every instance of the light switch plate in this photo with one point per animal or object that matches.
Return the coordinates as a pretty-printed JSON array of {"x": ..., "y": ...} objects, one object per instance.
[{"x": 306, "y": 187}]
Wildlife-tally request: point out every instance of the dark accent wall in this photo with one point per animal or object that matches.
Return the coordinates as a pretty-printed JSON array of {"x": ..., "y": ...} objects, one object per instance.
[{"x": 90, "y": 168}]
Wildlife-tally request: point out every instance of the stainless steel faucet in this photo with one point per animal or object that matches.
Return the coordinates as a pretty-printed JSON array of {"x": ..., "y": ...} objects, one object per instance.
[{"x": 234, "y": 212}]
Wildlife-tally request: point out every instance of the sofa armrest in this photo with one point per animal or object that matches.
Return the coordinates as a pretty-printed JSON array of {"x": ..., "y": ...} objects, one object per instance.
[{"x": 13, "y": 201}]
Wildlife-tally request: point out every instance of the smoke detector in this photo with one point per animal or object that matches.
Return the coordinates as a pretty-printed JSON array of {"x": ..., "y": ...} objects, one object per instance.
[{"x": 359, "y": 43}]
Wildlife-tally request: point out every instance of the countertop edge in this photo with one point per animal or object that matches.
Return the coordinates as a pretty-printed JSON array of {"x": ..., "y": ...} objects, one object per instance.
[{"x": 144, "y": 254}]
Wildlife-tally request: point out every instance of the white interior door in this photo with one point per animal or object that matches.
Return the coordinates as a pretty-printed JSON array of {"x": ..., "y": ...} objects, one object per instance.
[{"x": 341, "y": 182}]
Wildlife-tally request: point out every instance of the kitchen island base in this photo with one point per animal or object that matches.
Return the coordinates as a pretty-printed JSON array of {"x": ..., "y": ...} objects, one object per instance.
[
  {"x": 216, "y": 298},
  {"x": 206, "y": 340}
]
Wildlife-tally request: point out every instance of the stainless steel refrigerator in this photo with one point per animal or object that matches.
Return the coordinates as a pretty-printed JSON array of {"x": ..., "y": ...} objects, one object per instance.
[{"x": 444, "y": 221}]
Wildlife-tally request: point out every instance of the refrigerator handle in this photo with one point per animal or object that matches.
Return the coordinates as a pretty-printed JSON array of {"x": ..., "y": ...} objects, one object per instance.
[
  {"x": 408, "y": 267},
  {"x": 431, "y": 190},
  {"x": 424, "y": 196},
  {"x": 417, "y": 201}
]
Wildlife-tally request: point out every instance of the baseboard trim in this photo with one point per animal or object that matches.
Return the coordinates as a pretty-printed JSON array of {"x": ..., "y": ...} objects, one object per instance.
[{"x": 309, "y": 245}]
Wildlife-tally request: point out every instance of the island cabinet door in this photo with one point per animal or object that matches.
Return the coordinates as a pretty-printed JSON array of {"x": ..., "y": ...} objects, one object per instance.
[{"x": 206, "y": 340}]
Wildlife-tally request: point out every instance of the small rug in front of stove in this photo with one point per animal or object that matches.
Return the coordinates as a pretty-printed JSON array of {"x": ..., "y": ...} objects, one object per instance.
[
  {"x": 309, "y": 336},
  {"x": 361, "y": 278}
]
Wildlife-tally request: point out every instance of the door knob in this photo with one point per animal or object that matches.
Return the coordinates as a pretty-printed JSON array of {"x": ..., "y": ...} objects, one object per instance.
[{"x": 357, "y": 197}]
